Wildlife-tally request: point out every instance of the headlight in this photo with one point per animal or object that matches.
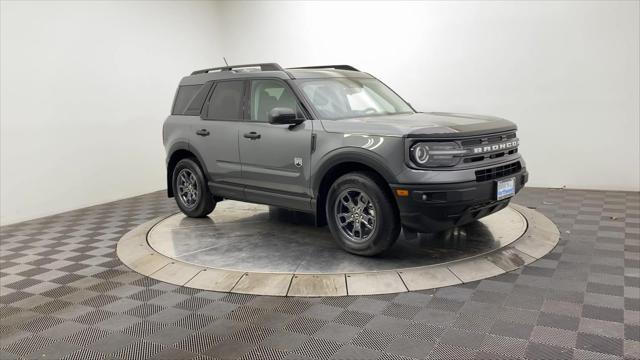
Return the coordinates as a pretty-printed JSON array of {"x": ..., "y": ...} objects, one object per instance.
[
  {"x": 436, "y": 154},
  {"x": 420, "y": 153}
]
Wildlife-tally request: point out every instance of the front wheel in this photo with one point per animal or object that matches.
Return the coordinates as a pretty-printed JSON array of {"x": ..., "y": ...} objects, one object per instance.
[
  {"x": 190, "y": 189},
  {"x": 361, "y": 216}
]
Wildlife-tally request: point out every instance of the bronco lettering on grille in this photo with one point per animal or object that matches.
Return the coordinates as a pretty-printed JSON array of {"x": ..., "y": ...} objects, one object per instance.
[{"x": 495, "y": 147}]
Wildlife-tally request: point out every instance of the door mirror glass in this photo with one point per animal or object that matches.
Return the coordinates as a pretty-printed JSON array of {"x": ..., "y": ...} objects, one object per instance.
[{"x": 284, "y": 116}]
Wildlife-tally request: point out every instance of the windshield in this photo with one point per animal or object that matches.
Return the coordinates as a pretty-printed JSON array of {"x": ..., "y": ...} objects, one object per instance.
[{"x": 343, "y": 98}]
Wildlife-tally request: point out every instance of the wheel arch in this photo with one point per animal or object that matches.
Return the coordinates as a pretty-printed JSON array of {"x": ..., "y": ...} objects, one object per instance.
[
  {"x": 178, "y": 152},
  {"x": 342, "y": 163}
]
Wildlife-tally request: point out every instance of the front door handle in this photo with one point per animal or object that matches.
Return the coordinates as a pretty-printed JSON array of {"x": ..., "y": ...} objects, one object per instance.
[
  {"x": 203, "y": 132},
  {"x": 252, "y": 135}
]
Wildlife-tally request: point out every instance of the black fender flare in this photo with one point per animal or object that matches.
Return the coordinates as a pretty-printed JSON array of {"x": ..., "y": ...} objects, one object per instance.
[
  {"x": 342, "y": 156},
  {"x": 178, "y": 145},
  {"x": 351, "y": 154},
  {"x": 182, "y": 146}
]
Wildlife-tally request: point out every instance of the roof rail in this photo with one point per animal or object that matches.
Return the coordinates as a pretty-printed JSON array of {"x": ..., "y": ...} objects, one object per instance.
[
  {"x": 337, "y": 67},
  {"x": 263, "y": 67}
]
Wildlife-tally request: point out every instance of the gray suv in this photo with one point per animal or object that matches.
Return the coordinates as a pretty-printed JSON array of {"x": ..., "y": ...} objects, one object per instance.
[{"x": 338, "y": 143}]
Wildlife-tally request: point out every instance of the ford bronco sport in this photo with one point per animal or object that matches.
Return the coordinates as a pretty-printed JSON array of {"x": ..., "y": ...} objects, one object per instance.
[{"x": 338, "y": 143}]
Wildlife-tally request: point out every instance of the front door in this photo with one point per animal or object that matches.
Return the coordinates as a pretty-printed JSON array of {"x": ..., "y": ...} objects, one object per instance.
[{"x": 276, "y": 159}]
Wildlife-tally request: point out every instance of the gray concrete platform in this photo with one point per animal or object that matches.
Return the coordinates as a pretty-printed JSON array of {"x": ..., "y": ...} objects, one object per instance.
[{"x": 255, "y": 249}]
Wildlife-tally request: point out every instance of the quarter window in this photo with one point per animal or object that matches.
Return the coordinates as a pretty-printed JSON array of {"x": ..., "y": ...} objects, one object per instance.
[
  {"x": 226, "y": 101},
  {"x": 183, "y": 98},
  {"x": 195, "y": 106}
]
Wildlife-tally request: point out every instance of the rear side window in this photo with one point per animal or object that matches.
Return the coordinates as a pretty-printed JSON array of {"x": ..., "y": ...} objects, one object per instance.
[
  {"x": 183, "y": 98},
  {"x": 226, "y": 101}
]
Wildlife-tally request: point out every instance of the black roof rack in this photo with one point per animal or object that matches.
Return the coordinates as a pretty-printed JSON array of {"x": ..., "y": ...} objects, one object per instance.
[
  {"x": 337, "y": 67},
  {"x": 263, "y": 67}
]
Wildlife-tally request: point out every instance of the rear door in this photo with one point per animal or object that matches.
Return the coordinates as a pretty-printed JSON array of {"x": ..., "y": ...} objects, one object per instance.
[
  {"x": 216, "y": 137},
  {"x": 275, "y": 159}
]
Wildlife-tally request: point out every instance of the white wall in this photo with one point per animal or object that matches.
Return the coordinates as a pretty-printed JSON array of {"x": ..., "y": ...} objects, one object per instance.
[
  {"x": 85, "y": 89},
  {"x": 566, "y": 72}
]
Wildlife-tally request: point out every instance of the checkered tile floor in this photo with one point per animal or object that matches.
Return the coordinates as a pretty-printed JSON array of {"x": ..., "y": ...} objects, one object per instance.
[{"x": 64, "y": 294}]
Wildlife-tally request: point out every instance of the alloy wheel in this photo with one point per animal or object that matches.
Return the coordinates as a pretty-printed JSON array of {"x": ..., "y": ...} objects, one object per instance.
[
  {"x": 188, "y": 188},
  {"x": 355, "y": 215}
]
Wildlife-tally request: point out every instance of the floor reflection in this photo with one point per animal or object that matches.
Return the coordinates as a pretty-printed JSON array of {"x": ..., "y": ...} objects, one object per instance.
[{"x": 251, "y": 237}]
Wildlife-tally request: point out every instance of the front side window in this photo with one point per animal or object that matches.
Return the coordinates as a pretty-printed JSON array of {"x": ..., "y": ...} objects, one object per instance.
[
  {"x": 226, "y": 101},
  {"x": 343, "y": 98},
  {"x": 269, "y": 94}
]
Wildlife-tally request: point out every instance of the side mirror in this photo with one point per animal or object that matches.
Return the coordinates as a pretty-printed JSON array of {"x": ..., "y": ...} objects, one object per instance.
[{"x": 284, "y": 116}]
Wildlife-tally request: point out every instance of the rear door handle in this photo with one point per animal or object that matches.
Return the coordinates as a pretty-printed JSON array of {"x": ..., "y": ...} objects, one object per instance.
[
  {"x": 203, "y": 132},
  {"x": 252, "y": 135}
]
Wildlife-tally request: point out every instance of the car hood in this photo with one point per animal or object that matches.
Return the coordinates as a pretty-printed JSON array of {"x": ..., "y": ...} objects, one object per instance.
[{"x": 433, "y": 124}]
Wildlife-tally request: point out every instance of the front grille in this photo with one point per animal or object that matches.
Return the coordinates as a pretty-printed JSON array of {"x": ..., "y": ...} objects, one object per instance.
[
  {"x": 472, "y": 159},
  {"x": 498, "y": 171},
  {"x": 488, "y": 141}
]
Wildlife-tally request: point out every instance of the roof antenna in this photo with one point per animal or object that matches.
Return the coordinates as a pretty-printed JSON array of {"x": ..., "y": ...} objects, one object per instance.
[{"x": 225, "y": 60}]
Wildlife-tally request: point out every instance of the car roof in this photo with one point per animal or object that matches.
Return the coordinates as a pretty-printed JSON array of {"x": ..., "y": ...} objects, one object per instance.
[{"x": 203, "y": 76}]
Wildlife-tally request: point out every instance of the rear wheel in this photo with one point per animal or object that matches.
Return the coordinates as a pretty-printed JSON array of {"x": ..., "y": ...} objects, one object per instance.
[
  {"x": 190, "y": 189},
  {"x": 361, "y": 216}
]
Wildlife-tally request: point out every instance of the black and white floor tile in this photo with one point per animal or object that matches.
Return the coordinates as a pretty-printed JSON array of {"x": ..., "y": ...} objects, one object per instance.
[{"x": 64, "y": 294}]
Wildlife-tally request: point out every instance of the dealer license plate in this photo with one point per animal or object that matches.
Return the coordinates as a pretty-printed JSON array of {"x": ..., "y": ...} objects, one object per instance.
[{"x": 506, "y": 188}]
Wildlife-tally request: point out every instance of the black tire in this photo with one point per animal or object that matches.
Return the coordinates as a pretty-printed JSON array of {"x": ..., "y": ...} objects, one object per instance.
[
  {"x": 203, "y": 203},
  {"x": 387, "y": 220}
]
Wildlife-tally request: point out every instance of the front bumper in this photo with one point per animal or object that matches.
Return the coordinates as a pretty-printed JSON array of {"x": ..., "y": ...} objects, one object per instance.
[{"x": 432, "y": 208}]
